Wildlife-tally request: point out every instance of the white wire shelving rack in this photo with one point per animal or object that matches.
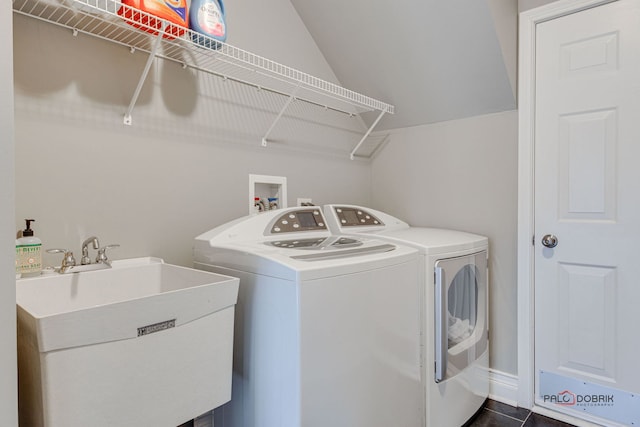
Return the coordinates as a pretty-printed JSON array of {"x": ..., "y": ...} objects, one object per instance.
[{"x": 110, "y": 20}]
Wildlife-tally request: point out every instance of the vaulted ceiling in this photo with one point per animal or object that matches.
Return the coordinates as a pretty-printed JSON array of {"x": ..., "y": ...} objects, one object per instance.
[{"x": 434, "y": 60}]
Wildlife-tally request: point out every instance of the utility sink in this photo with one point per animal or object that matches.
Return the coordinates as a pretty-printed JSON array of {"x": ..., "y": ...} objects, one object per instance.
[{"x": 141, "y": 343}]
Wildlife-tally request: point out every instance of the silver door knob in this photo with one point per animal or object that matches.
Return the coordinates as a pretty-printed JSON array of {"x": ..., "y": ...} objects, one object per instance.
[{"x": 550, "y": 241}]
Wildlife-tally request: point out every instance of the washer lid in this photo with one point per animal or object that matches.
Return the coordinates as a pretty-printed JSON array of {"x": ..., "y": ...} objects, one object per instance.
[
  {"x": 435, "y": 240},
  {"x": 316, "y": 243},
  {"x": 262, "y": 257},
  {"x": 359, "y": 220},
  {"x": 308, "y": 251}
]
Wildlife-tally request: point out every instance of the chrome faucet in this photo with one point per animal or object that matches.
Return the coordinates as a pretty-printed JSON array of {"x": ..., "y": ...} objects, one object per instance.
[
  {"x": 69, "y": 263},
  {"x": 85, "y": 249}
]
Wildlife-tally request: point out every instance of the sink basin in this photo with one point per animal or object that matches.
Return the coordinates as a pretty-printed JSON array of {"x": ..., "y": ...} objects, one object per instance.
[
  {"x": 141, "y": 343},
  {"x": 70, "y": 310}
]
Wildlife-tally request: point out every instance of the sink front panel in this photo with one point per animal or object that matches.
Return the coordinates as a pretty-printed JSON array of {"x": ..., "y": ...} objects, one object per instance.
[{"x": 161, "y": 379}]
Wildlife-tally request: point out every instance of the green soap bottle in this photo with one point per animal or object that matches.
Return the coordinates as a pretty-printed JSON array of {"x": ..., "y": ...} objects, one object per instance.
[{"x": 29, "y": 253}]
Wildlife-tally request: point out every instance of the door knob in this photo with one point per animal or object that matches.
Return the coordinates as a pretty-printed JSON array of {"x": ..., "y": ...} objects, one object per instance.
[{"x": 550, "y": 241}]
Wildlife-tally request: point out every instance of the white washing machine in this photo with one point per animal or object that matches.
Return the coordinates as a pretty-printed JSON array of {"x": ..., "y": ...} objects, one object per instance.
[
  {"x": 454, "y": 314},
  {"x": 327, "y": 327}
]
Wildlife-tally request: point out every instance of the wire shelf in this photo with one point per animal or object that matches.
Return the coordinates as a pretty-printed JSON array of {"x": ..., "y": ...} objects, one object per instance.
[
  {"x": 127, "y": 26},
  {"x": 105, "y": 19}
]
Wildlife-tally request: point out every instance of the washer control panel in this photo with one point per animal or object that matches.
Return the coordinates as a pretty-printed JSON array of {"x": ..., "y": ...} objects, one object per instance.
[
  {"x": 299, "y": 220},
  {"x": 318, "y": 243},
  {"x": 354, "y": 217}
]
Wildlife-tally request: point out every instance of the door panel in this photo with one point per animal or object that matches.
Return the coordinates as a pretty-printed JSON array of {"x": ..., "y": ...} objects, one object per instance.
[
  {"x": 587, "y": 150},
  {"x": 587, "y": 166},
  {"x": 587, "y": 328},
  {"x": 595, "y": 54}
]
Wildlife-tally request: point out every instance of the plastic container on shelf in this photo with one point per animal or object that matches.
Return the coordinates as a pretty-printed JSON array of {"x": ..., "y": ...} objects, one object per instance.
[
  {"x": 207, "y": 20},
  {"x": 173, "y": 11}
]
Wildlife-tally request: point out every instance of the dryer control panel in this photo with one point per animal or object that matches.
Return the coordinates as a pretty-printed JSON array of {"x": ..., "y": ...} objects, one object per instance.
[
  {"x": 299, "y": 220},
  {"x": 353, "y": 217}
]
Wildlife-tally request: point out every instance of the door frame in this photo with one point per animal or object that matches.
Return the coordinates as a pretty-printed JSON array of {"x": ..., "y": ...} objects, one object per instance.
[
  {"x": 526, "y": 179},
  {"x": 8, "y": 355}
]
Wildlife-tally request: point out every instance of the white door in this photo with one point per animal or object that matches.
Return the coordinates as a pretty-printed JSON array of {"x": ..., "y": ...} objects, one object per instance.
[{"x": 587, "y": 201}]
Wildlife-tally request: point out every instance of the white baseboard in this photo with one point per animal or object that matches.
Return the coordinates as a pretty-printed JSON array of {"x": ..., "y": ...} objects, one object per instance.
[{"x": 503, "y": 387}]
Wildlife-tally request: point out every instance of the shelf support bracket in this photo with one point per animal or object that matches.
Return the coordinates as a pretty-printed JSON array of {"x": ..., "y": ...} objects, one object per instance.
[
  {"x": 292, "y": 98},
  {"x": 352, "y": 156},
  {"x": 145, "y": 72}
]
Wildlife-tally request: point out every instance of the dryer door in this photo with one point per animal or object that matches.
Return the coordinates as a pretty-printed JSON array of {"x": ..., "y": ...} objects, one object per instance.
[{"x": 460, "y": 313}]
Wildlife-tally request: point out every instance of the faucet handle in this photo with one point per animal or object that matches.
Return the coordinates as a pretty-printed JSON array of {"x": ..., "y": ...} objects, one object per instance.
[
  {"x": 102, "y": 254},
  {"x": 67, "y": 261}
]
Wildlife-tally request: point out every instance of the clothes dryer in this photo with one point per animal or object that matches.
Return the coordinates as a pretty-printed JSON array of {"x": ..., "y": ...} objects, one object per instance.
[
  {"x": 454, "y": 311},
  {"x": 327, "y": 327}
]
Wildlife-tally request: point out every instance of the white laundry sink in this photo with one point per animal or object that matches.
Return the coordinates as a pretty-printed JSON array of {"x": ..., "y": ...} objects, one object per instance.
[{"x": 142, "y": 343}]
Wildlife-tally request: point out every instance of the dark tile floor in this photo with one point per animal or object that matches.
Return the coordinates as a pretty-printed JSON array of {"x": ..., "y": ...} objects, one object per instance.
[{"x": 496, "y": 414}]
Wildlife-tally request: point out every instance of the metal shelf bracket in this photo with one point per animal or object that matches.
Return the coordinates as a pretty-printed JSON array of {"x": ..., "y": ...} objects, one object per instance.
[
  {"x": 291, "y": 98},
  {"x": 352, "y": 156},
  {"x": 152, "y": 55}
]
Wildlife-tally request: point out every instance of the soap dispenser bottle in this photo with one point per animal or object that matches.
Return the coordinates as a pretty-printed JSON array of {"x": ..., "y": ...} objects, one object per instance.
[{"x": 29, "y": 251}]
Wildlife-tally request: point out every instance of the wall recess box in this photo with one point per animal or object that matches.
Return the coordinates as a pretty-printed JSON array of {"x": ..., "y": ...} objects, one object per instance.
[{"x": 265, "y": 186}]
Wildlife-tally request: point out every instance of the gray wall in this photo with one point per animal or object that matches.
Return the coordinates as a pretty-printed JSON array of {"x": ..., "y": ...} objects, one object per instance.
[
  {"x": 531, "y": 4},
  {"x": 8, "y": 388},
  {"x": 462, "y": 175},
  {"x": 505, "y": 21},
  {"x": 183, "y": 167}
]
